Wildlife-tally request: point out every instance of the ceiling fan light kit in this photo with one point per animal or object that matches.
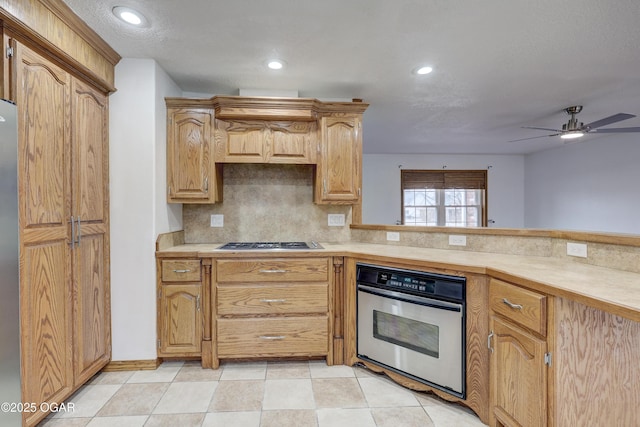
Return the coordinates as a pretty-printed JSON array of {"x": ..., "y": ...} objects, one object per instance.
[
  {"x": 574, "y": 129},
  {"x": 572, "y": 135}
]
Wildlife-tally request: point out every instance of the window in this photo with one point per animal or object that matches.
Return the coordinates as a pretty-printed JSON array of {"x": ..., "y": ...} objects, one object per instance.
[{"x": 444, "y": 198}]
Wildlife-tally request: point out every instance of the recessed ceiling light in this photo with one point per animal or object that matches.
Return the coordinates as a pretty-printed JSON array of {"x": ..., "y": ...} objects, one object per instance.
[
  {"x": 275, "y": 64},
  {"x": 572, "y": 135},
  {"x": 423, "y": 70},
  {"x": 130, "y": 16}
]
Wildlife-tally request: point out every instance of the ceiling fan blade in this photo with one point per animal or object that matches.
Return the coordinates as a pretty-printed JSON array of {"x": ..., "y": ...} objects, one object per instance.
[
  {"x": 533, "y": 137},
  {"x": 532, "y": 127},
  {"x": 608, "y": 120},
  {"x": 615, "y": 130}
]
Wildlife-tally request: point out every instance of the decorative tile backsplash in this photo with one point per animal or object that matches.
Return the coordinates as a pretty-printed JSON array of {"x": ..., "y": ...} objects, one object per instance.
[{"x": 266, "y": 202}]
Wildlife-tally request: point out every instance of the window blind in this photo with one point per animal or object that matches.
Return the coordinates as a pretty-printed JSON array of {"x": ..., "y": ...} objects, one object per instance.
[{"x": 464, "y": 179}]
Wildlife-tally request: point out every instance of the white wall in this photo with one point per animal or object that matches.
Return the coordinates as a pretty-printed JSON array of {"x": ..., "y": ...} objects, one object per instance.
[
  {"x": 138, "y": 209},
  {"x": 381, "y": 184},
  {"x": 168, "y": 216},
  {"x": 591, "y": 186}
]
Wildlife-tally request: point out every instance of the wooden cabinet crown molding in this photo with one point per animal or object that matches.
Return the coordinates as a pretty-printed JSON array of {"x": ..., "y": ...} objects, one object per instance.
[
  {"x": 53, "y": 29},
  {"x": 268, "y": 108}
]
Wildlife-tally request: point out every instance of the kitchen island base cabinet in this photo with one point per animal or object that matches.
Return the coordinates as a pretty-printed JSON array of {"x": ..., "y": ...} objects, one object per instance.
[
  {"x": 518, "y": 345},
  {"x": 519, "y": 377},
  {"x": 597, "y": 362}
]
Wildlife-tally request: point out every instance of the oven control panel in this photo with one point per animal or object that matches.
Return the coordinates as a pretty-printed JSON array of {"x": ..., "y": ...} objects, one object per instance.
[{"x": 414, "y": 282}]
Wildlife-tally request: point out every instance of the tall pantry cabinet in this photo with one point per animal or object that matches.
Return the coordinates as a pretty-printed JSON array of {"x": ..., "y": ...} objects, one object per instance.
[
  {"x": 63, "y": 192},
  {"x": 64, "y": 225}
]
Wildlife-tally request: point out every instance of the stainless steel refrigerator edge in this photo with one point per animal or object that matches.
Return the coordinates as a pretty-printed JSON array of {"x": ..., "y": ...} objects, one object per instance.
[{"x": 9, "y": 284}]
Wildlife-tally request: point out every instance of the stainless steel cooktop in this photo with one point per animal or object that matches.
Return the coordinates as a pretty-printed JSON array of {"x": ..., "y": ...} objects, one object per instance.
[{"x": 270, "y": 245}]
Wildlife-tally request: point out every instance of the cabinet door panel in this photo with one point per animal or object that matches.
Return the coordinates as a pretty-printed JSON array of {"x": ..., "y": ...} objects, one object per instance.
[
  {"x": 339, "y": 167},
  {"x": 43, "y": 141},
  {"x": 92, "y": 320},
  {"x": 293, "y": 142},
  {"x": 189, "y": 156},
  {"x": 90, "y": 166},
  {"x": 518, "y": 375},
  {"x": 45, "y": 324},
  {"x": 181, "y": 331}
]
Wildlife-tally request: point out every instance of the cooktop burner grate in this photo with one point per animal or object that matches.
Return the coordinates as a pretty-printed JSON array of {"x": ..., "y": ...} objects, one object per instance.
[{"x": 270, "y": 245}]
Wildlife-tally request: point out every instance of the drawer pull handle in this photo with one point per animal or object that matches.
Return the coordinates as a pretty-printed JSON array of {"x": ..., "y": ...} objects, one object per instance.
[
  {"x": 181, "y": 271},
  {"x": 272, "y": 337},
  {"x": 272, "y": 300},
  {"x": 512, "y": 305},
  {"x": 274, "y": 271}
]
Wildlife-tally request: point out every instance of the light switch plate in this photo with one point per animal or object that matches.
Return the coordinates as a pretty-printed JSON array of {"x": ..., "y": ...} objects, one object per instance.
[
  {"x": 217, "y": 220},
  {"x": 335, "y": 220},
  {"x": 457, "y": 240},
  {"x": 577, "y": 249},
  {"x": 393, "y": 236}
]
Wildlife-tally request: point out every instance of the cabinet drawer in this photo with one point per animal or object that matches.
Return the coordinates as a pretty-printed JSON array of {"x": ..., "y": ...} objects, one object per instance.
[
  {"x": 525, "y": 307},
  {"x": 273, "y": 270},
  {"x": 285, "y": 336},
  {"x": 272, "y": 299},
  {"x": 181, "y": 270}
]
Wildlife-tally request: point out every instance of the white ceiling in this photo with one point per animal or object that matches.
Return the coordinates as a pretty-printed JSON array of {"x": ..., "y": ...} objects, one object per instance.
[{"x": 498, "y": 65}]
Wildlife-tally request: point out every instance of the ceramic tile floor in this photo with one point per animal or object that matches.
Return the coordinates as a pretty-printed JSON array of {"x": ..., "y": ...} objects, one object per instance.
[{"x": 260, "y": 394}]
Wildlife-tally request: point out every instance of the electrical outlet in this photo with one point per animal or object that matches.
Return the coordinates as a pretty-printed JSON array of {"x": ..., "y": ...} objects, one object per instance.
[
  {"x": 577, "y": 249},
  {"x": 457, "y": 240},
  {"x": 393, "y": 236},
  {"x": 217, "y": 220},
  {"x": 335, "y": 220}
]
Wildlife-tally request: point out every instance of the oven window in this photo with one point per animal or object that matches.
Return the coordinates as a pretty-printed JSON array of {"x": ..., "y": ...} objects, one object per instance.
[{"x": 417, "y": 336}]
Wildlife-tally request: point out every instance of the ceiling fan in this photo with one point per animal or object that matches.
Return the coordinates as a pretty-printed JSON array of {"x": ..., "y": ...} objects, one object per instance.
[{"x": 575, "y": 129}]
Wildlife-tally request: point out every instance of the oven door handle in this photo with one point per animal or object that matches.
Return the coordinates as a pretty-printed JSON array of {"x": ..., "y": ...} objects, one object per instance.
[{"x": 411, "y": 298}]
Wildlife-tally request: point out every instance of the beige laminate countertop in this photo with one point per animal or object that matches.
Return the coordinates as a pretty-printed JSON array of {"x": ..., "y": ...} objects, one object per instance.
[{"x": 614, "y": 291}]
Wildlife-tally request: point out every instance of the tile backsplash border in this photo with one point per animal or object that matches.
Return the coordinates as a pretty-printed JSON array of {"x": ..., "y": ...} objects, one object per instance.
[{"x": 624, "y": 256}]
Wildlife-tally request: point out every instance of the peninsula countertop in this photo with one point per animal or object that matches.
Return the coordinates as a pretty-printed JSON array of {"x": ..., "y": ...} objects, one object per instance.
[{"x": 611, "y": 290}]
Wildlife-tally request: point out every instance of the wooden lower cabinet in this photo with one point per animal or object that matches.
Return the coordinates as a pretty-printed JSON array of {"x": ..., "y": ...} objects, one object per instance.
[
  {"x": 285, "y": 336},
  {"x": 518, "y": 376},
  {"x": 180, "y": 308},
  {"x": 180, "y": 320},
  {"x": 273, "y": 307},
  {"x": 519, "y": 357}
]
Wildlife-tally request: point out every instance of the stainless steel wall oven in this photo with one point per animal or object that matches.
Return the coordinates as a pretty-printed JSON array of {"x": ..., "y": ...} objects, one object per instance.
[{"x": 413, "y": 323}]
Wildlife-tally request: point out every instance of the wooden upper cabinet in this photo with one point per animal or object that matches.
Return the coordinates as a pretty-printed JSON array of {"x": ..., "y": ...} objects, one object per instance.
[
  {"x": 244, "y": 141},
  {"x": 264, "y": 130},
  {"x": 339, "y": 170},
  {"x": 239, "y": 141},
  {"x": 190, "y": 177}
]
